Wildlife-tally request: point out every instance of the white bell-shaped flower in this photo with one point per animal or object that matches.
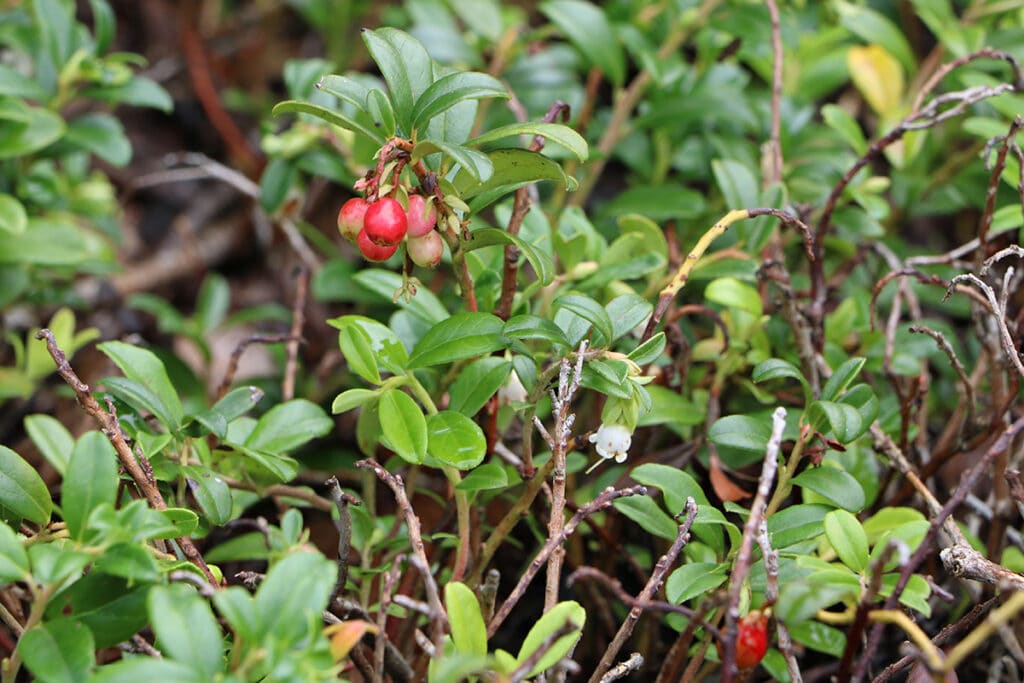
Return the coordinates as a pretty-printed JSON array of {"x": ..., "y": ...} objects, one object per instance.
[{"x": 612, "y": 441}]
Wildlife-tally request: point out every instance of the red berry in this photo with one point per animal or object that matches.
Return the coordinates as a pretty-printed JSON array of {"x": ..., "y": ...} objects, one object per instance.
[
  {"x": 751, "y": 639},
  {"x": 350, "y": 218},
  {"x": 422, "y": 215},
  {"x": 427, "y": 250},
  {"x": 385, "y": 222},
  {"x": 374, "y": 252}
]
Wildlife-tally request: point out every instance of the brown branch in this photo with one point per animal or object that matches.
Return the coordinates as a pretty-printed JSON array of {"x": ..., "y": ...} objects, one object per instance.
[
  {"x": 653, "y": 584},
  {"x": 744, "y": 556},
  {"x": 291, "y": 366},
  {"x": 603, "y": 500},
  {"x": 961, "y": 373},
  {"x": 343, "y": 524},
  {"x": 236, "y": 356},
  {"x": 522, "y": 671},
  {"x": 772, "y": 151},
  {"x": 111, "y": 428},
  {"x": 624, "y": 668},
  {"x": 993, "y": 185},
  {"x": 945, "y": 69}
]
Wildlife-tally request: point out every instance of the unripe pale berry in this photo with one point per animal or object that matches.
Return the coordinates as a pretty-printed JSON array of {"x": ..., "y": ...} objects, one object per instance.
[
  {"x": 422, "y": 215},
  {"x": 374, "y": 252},
  {"x": 385, "y": 222},
  {"x": 426, "y": 251},
  {"x": 350, "y": 218}
]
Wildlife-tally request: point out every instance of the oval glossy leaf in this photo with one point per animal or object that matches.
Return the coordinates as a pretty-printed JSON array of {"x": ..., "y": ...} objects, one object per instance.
[
  {"x": 553, "y": 132},
  {"x": 211, "y": 492},
  {"x": 820, "y": 637},
  {"x": 91, "y": 480},
  {"x": 186, "y": 629},
  {"x": 592, "y": 312},
  {"x": 741, "y": 432},
  {"x": 488, "y": 476},
  {"x": 477, "y": 383},
  {"x": 355, "y": 346},
  {"x": 835, "y": 485},
  {"x": 842, "y": 378},
  {"x": 645, "y": 512},
  {"x": 23, "y": 494},
  {"x": 464, "y": 335},
  {"x": 694, "y": 579},
  {"x": 405, "y": 66},
  {"x": 587, "y": 28},
  {"x": 451, "y": 89},
  {"x": 147, "y": 669},
  {"x": 329, "y": 115},
  {"x": 649, "y": 351},
  {"x": 795, "y": 524},
  {"x": 847, "y": 538},
  {"x": 425, "y": 305},
  {"x": 529, "y": 326},
  {"x": 675, "y": 484},
  {"x": 469, "y": 633},
  {"x": 353, "y": 398},
  {"x": 732, "y": 293},
  {"x": 627, "y": 312},
  {"x": 288, "y": 425},
  {"x": 144, "y": 367},
  {"x": 13, "y": 558},
  {"x": 385, "y": 344},
  {"x": 547, "y": 625},
  {"x": 799, "y": 601},
  {"x": 403, "y": 427},
  {"x": 13, "y": 219},
  {"x": 489, "y": 237},
  {"x": 455, "y": 440},
  {"x": 52, "y": 439},
  {"x": 844, "y": 420},
  {"x": 478, "y": 166},
  {"x": 776, "y": 368},
  {"x": 60, "y": 651},
  {"x": 298, "y": 586},
  {"x": 509, "y": 169}
]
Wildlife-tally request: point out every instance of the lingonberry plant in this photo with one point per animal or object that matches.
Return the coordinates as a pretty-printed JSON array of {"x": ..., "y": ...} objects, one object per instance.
[{"x": 688, "y": 328}]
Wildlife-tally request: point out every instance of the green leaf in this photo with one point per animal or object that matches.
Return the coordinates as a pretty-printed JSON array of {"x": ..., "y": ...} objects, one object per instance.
[
  {"x": 880, "y": 523},
  {"x": 592, "y": 312},
  {"x": 863, "y": 400},
  {"x": 820, "y": 637},
  {"x": 16, "y": 84},
  {"x": 914, "y": 596},
  {"x": 238, "y": 607},
  {"x": 102, "y": 135},
  {"x": 845, "y": 421},
  {"x": 143, "y": 367},
  {"x": 13, "y": 558},
  {"x": 843, "y": 123},
  {"x": 403, "y": 427},
  {"x": 113, "y": 609},
  {"x": 467, "y": 622},
  {"x": 489, "y": 237},
  {"x": 346, "y": 89},
  {"x": 742, "y": 432},
  {"x": 405, "y": 66},
  {"x": 425, "y": 305},
  {"x": 139, "y": 91},
  {"x": 23, "y": 494},
  {"x": 587, "y": 28},
  {"x": 46, "y": 242},
  {"x": 387, "y": 348},
  {"x": 649, "y": 351},
  {"x": 733, "y": 293},
  {"x": 455, "y": 440},
  {"x": 874, "y": 27},
  {"x": 738, "y": 185},
  {"x": 91, "y": 480},
  {"x": 507, "y": 171},
  {"x": 25, "y": 129},
  {"x": 488, "y": 476},
  {"x": 355, "y": 346},
  {"x": 477, "y": 383},
  {"x": 52, "y": 439},
  {"x": 328, "y": 115},
  {"x": 59, "y": 651},
  {"x": 776, "y": 368},
  {"x": 278, "y": 179},
  {"x": 671, "y": 409},
  {"x": 842, "y": 378},
  {"x": 835, "y": 485},
  {"x": 186, "y": 629},
  {"x": 288, "y": 425},
  {"x": 547, "y": 625},
  {"x": 478, "y": 166},
  {"x": 627, "y": 312},
  {"x": 694, "y": 579},
  {"x": 378, "y": 106},
  {"x": 353, "y": 398},
  {"x": 451, "y": 89},
  {"x": 129, "y": 561},
  {"x": 553, "y": 132},
  {"x": 211, "y": 492},
  {"x": 799, "y": 601},
  {"x": 147, "y": 669},
  {"x": 463, "y": 335},
  {"x": 527, "y": 326},
  {"x": 293, "y": 595},
  {"x": 645, "y": 512},
  {"x": 13, "y": 219},
  {"x": 795, "y": 524},
  {"x": 847, "y": 538}
]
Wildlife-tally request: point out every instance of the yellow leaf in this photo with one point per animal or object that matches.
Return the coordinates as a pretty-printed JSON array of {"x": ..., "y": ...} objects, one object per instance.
[
  {"x": 345, "y": 635},
  {"x": 878, "y": 77}
]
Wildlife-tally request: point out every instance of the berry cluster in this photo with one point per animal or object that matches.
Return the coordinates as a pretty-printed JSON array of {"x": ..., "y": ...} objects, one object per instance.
[{"x": 379, "y": 227}]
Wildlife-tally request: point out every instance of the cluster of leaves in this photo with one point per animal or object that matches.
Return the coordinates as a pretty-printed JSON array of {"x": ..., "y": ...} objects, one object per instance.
[{"x": 453, "y": 379}]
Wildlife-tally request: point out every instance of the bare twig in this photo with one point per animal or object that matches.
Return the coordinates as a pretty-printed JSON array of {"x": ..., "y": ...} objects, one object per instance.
[
  {"x": 236, "y": 356},
  {"x": 291, "y": 366},
  {"x": 998, "y": 314},
  {"x": 111, "y": 428},
  {"x": 522, "y": 671},
  {"x": 961, "y": 373},
  {"x": 772, "y": 151},
  {"x": 945, "y": 69},
  {"x": 343, "y": 524},
  {"x": 624, "y": 668},
  {"x": 744, "y": 556},
  {"x": 648, "y": 592},
  {"x": 994, "y": 181},
  {"x": 603, "y": 500},
  {"x": 387, "y": 591}
]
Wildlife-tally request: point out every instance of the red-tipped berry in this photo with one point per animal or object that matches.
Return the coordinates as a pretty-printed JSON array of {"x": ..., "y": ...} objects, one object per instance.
[
  {"x": 374, "y": 252},
  {"x": 422, "y": 215},
  {"x": 385, "y": 222},
  {"x": 426, "y": 251},
  {"x": 751, "y": 639},
  {"x": 350, "y": 218}
]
